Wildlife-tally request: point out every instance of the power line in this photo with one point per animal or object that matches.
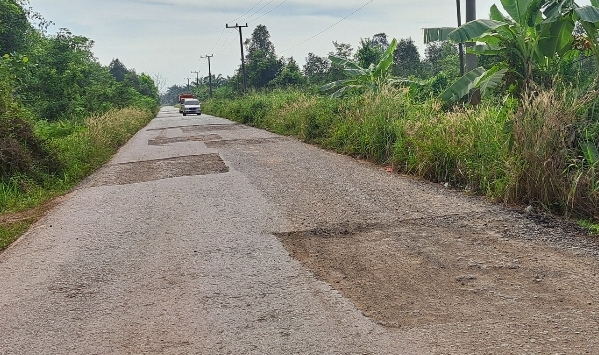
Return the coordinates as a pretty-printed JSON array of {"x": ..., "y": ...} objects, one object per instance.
[
  {"x": 271, "y": 10},
  {"x": 328, "y": 28},
  {"x": 219, "y": 38},
  {"x": 225, "y": 44},
  {"x": 262, "y": 8},
  {"x": 223, "y": 31},
  {"x": 248, "y": 11}
]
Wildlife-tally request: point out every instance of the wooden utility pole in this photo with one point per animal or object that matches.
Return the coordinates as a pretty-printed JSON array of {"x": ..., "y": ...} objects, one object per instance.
[
  {"x": 188, "y": 79},
  {"x": 209, "y": 73},
  {"x": 197, "y": 73},
  {"x": 242, "y": 55}
]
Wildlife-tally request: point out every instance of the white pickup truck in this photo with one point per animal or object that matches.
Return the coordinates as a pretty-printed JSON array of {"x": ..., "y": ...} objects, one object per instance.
[{"x": 191, "y": 106}]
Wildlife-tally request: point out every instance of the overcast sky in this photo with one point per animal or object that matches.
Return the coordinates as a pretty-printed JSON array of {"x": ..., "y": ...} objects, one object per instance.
[{"x": 168, "y": 37}]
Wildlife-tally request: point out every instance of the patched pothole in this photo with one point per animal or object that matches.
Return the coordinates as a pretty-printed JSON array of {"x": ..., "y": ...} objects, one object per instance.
[
  {"x": 201, "y": 138},
  {"x": 421, "y": 272},
  {"x": 251, "y": 141},
  {"x": 202, "y": 127},
  {"x": 144, "y": 171},
  {"x": 213, "y": 127}
]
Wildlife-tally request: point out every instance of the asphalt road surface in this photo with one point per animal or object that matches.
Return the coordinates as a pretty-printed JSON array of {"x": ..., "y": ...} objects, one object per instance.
[{"x": 194, "y": 240}]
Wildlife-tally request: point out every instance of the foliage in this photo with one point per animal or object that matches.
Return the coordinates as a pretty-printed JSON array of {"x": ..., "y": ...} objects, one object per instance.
[
  {"x": 538, "y": 34},
  {"x": 289, "y": 76},
  {"x": 262, "y": 64},
  {"x": 441, "y": 57},
  {"x": 479, "y": 79},
  {"x": 362, "y": 78},
  {"x": 316, "y": 69},
  {"x": 371, "y": 50},
  {"x": 14, "y": 27},
  {"x": 118, "y": 70},
  {"x": 406, "y": 59}
]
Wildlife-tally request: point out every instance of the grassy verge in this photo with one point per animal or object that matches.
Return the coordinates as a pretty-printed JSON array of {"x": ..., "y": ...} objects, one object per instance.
[
  {"x": 517, "y": 153},
  {"x": 81, "y": 147}
]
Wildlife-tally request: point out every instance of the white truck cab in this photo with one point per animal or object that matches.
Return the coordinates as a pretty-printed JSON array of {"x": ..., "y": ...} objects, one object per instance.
[{"x": 191, "y": 106}]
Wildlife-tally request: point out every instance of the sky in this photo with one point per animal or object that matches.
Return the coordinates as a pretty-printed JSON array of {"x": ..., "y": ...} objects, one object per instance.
[{"x": 167, "y": 38}]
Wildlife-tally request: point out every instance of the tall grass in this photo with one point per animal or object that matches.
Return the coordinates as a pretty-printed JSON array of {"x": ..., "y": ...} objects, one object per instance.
[{"x": 526, "y": 151}]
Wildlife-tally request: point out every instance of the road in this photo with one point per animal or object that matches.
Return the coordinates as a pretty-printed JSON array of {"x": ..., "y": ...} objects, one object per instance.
[{"x": 203, "y": 236}]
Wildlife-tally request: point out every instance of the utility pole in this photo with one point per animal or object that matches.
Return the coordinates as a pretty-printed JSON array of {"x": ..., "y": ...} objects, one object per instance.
[
  {"x": 460, "y": 45},
  {"x": 209, "y": 73},
  {"x": 242, "y": 55},
  {"x": 188, "y": 79},
  {"x": 197, "y": 73},
  {"x": 471, "y": 62}
]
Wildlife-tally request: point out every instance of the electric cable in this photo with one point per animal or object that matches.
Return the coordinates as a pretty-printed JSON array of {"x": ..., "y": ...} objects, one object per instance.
[
  {"x": 248, "y": 11},
  {"x": 328, "y": 28},
  {"x": 271, "y": 10}
]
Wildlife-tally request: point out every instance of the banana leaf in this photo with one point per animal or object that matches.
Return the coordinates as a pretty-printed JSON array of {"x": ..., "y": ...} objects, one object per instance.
[
  {"x": 556, "y": 37},
  {"x": 478, "y": 78},
  {"x": 463, "y": 86},
  {"x": 474, "y": 29},
  {"x": 386, "y": 60},
  {"x": 437, "y": 34},
  {"x": 497, "y": 15},
  {"x": 517, "y": 9},
  {"x": 588, "y": 14},
  {"x": 490, "y": 80}
]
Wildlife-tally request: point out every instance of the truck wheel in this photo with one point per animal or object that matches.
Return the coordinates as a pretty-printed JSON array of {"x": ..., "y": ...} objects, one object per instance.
[
  {"x": 199, "y": 113},
  {"x": 184, "y": 114}
]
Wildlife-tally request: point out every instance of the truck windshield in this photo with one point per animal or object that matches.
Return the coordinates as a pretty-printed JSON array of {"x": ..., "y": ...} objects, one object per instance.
[{"x": 192, "y": 102}]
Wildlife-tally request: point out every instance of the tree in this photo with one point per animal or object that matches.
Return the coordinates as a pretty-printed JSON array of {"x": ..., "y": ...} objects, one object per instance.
[
  {"x": 368, "y": 53},
  {"x": 262, "y": 64},
  {"x": 289, "y": 76},
  {"x": 260, "y": 41},
  {"x": 14, "y": 27},
  {"x": 344, "y": 51},
  {"x": 406, "y": 59},
  {"x": 441, "y": 56},
  {"x": 316, "y": 69},
  {"x": 118, "y": 70},
  {"x": 380, "y": 40}
]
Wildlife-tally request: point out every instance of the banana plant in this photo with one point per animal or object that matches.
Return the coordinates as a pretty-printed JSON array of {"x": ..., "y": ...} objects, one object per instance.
[
  {"x": 361, "y": 78},
  {"x": 479, "y": 79},
  {"x": 536, "y": 32}
]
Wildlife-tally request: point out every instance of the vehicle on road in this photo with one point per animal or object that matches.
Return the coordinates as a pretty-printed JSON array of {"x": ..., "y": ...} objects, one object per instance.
[
  {"x": 182, "y": 97},
  {"x": 191, "y": 106}
]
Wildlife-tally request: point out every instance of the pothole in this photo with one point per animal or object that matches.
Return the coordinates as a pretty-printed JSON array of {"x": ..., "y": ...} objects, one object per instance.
[
  {"x": 144, "y": 171},
  {"x": 201, "y": 138}
]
